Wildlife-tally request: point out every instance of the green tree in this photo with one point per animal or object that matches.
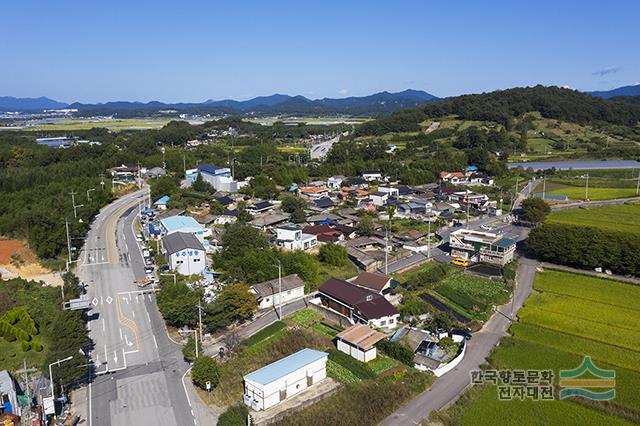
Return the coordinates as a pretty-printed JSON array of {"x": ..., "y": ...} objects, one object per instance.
[
  {"x": 205, "y": 369},
  {"x": 298, "y": 215},
  {"x": 189, "y": 349},
  {"x": 262, "y": 186},
  {"x": 291, "y": 203},
  {"x": 534, "y": 210},
  {"x": 365, "y": 226},
  {"x": 216, "y": 207},
  {"x": 333, "y": 254},
  {"x": 178, "y": 304},
  {"x": 199, "y": 185},
  {"x": 236, "y": 415}
]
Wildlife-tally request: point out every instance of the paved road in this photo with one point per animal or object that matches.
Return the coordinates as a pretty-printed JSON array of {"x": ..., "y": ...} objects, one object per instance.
[
  {"x": 138, "y": 369},
  {"x": 447, "y": 388}
]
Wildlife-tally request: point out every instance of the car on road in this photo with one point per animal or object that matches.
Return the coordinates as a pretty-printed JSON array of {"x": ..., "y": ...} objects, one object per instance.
[
  {"x": 148, "y": 269},
  {"x": 486, "y": 227},
  {"x": 457, "y": 224},
  {"x": 459, "y": 261}
]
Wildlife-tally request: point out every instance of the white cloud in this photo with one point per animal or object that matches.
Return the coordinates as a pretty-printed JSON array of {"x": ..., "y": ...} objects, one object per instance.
[
  {"x": 566, "y": 86},
  {"x": 343, "y": 91}
]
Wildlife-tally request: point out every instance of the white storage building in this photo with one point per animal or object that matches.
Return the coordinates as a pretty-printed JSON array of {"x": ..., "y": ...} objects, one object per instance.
[
  {"x": 358, "y": 341},
  {"x": 185, "y": 254},
  {"x": 284, "y": 378},
  {"x": 268, "y": 294}
]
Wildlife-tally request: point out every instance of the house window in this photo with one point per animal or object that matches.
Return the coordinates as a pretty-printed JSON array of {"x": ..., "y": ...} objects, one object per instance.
[
  {"x": 383, "y": 322},
  {"x": 288, "y": 292},
  {"x": 268, "y": 300},
  {"x": 369, "y": 298},
  {"x": 196, "y": 260}
]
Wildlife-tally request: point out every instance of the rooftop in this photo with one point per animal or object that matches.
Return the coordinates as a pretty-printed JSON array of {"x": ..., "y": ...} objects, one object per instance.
[
  {"x": 178, "y": 241},
  {"x": 175, "y": 223},
  {"x": 285, "y": 366},
  {"x": 271, "y": 287},
  {"x": 210, "y": 168},
  {"x": 372, "y": 280},
  {"x": 162, "y": 200},
  {"x": 361, "y": 336}
]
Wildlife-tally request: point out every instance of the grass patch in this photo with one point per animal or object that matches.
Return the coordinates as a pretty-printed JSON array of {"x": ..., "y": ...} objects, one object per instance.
[
  {"x": 382, "y": 363},
  {"x": 340, "y": 373},
  {"x": 304, "y": 317},
  {"x": 349, "y": 270},
  {"x": 623, "y": 218},
  {"x": 264, "y": 334},
  {"x": 326, "y": 329},
  {"x": 358, "y": 368}
]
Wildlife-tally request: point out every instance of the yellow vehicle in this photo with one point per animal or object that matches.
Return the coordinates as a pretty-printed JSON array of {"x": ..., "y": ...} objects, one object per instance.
[{"x": 460, "y": 262}]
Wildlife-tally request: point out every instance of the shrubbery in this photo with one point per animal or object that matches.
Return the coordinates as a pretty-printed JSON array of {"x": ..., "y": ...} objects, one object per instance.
[
  {"x": 236, "y": 415},
  {"x": 358, "y": 368},
  {"x": 399, "y": 351},
  {"x": 205, "y": 369}
]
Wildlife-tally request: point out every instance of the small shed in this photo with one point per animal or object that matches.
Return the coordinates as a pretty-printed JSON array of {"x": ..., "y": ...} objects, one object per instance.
[
  {"x": 358, "y": 341},
  {"x": 284, "y": 378}
]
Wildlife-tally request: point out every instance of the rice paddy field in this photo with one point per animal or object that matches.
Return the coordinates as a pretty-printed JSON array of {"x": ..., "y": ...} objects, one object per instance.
[
  {"x": 570, "y": 316},
  {"x": 599, "y": 189},
  {"x": 624, "y": 217},
  {"x": 80, "y": 124}
]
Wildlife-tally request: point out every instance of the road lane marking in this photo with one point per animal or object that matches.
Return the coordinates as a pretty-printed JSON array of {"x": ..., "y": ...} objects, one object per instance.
[
  {"x": 154, "y": 341},
  {"x": 104, "y": 328},
  {"x": 133, "y": 314},
  {"x": 106, "y": 357},
  {"x": 148, "y": 317},
  {"x": 120, "y": 330},
  {"x": 185, "y": 387}
]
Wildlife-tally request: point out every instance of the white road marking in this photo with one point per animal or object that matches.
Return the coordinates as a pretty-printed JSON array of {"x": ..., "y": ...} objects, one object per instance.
[
  {"x": 89, "y": 404},
  {"x": 138, "y": 300},
  {"x": 185, "y": 387},
  {"x": 115, "y": 357},
  {"x": 154, "y": 341},
  {"x": 101, "y": 302},
  {"x": 120, "y": 330},
  {"x": 133, "y": 313},
  {"x": 149, "y": 296},
  {"x": 148, "y": 317},
  {"x": 106, "y": 357}
]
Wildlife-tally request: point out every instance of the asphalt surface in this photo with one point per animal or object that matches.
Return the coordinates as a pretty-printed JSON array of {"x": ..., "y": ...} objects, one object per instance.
[
  {"x": 139, "y": 371},
  {"x": 447, "y": 388}
]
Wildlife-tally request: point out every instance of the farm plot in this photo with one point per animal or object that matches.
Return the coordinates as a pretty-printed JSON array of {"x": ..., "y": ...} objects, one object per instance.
[
  {"x": 623, "y": 218},
  {"x": 475, "y": 295}
]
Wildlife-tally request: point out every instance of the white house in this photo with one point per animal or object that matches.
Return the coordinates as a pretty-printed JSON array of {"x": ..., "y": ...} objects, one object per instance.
[
  {"x": 185, "y": 253},
  {"x": 359, "y": 342},
  {"x": 371, "y": 176},
  {"x": 219, "y": 177},
  {"x": 284, "y": 378},
  {"x": 292, "y": 238},
  {"x": 335, "y": 182},
  {"x": 393, "y": 192},
  {"x": 378, "y": 198},
  {"x": 272, "y": 293}
]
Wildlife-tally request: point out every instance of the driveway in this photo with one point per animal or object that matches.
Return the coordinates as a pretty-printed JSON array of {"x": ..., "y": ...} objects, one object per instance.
[{"x": 447, "y": 388}]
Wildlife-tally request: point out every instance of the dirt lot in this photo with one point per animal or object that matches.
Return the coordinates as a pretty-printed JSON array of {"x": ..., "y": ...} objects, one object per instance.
[{"x": 17, "y": 260}]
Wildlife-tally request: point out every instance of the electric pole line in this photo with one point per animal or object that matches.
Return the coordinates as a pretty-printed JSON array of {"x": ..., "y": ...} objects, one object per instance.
[
  {"x": 199, "y": 323},
  {"x": 638, "y": 184},
  {"x": 280, "y": 288},
  {"x": 586, "y": 188},
  {"x": 73, "y": 203},
  {"x": 66, "y": 224}
]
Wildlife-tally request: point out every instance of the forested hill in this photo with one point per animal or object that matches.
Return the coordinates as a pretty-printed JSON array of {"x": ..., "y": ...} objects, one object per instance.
[{"x": 504, "y": 105}]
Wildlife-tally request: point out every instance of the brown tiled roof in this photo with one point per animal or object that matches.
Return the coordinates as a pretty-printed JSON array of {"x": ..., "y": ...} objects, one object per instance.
[
  {"x": 366, "y": 303},
  {"x": 372, "y": 280},
  {"x": 361, "y": 336}
]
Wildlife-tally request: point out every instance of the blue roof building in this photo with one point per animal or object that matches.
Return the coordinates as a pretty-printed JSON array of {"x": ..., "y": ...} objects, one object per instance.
[
  {"x": 284, "y": 378},
  {"x": 185, "y": 224},
  {"x": 162, "y": 201}
]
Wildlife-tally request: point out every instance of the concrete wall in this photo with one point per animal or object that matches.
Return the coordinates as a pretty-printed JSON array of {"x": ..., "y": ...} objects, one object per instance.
[
  {"x": 330, "y": 315},
  {"x": 191, "y": 262}
]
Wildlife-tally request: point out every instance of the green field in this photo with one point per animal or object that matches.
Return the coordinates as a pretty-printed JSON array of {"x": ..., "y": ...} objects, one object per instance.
[
  {"x": 80, "y": 124},
  {"x": 623, "y": 218},
  {"x": 569, "y": 317},
  {"x": 473, "y": 294},
  {"x": 578, "y": 193}
]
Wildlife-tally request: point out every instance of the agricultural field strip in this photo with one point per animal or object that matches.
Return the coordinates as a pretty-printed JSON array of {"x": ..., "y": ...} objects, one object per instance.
[
  {"x": 592, "y": 329},
  {"x": 589, "y": 288},
  {"x": 565, "y": 342},
  {"x": 593, "y": 311}
]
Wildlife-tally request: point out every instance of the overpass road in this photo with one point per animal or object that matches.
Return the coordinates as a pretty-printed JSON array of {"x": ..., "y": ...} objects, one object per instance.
[{"x": 139, "y": 371}]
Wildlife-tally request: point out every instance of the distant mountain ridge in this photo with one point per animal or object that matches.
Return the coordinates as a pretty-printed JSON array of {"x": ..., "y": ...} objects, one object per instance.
[
  {"x": 377, "y": 103},
  {"x": 619, "y": 91}
]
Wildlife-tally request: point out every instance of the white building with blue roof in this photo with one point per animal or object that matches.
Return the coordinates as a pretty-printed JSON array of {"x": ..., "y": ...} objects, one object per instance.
[
  {"x": 284, "y": 378},
  {"x": 220, "y": 178},
  {"x": 185, "y": 224}
]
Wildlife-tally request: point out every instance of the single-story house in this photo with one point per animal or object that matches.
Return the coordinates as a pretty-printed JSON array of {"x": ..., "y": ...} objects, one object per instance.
[
  {"x": 325, "y": 233},
  {"x": 155, "y": 172},
  {"x": 371, "y": 176},
  {"x": 379, "y": 198},
  {"x": 335, "y": 182},
  {"x": 272, "y": 293},
  {"x": 284, "y": 378},
  {"x": 323, "y": 203},
  {"x": 359, "y": 342},
  {"x": 269, "y": 220},
  {"x": 261, "y": 207},
  {"x": 358, "y": 304},
  {"x": 374, "y": 281},
  {"x": 185, "y": 254},
  {"x": 161, "y": 203},
  {"x": 292, "y": 238}
]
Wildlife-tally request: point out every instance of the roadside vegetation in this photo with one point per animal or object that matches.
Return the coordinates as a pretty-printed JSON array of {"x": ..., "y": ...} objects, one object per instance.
[{"x": 621, "y": 218}]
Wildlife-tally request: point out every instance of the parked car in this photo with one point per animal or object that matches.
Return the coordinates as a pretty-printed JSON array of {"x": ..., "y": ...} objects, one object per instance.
[
  {"x": 457, "y": 224},
  {"x": 466, "y": 332},
  {"x": 486, "y": 227},
  {"x": 163, "y": 268},
  {"x": 148, "y": 269},
  {"x": 459, "y": 261}
]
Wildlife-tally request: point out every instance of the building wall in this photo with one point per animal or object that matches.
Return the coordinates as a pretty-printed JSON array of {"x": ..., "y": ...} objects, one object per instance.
[
  {"x": 385, "y": 322},
  {"x": 294, "y": 383},
  {"x": 287, "y": 296},
  {"x": 357, "y": 353},
  {"x": 188, "y": 261}
]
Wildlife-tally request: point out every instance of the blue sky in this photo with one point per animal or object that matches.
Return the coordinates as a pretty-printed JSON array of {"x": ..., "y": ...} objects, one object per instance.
[{"x": 195, "y": 50}]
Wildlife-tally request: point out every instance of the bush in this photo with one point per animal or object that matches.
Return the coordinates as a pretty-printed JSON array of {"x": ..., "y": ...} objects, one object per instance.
[
  {"x": 401, "y": 352},
  {"x": 359, "y": 369},
  {"x": 205, "y": 369},
  {"x": 431, "y": 276},
  {"x": 264, "y": 334},
  {"x": 37, "y": 346},
  {"x": 25, "y": 346},
  {"x": 333, "y": 254},
  {"x": 189, "y": 349},
  {"x": 235, "y": 415}
]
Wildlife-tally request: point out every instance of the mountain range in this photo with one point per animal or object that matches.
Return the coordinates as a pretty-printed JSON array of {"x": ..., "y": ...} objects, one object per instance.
[
  {"x": 377, "y": 103},
  {"x": 620, "y": 91}
]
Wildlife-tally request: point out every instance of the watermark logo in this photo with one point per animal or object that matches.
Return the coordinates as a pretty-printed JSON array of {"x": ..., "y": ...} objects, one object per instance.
[{"x": 572, "y": 385}]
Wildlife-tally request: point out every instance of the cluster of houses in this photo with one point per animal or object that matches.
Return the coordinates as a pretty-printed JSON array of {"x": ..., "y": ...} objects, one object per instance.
[{"x": 470, "y": 176}]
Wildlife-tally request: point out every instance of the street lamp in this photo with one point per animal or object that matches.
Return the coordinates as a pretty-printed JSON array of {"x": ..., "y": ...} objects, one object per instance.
[
  {"x": 57, "y": 363},
  {"x": 89, "y": 194}
]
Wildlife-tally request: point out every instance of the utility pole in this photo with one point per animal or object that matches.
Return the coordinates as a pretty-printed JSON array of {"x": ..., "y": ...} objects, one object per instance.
[
  {"x": 184, "y": 162},
  {"x": 89, "y": 194},
  {"x": 102, "y": 181},
  {"x": 386, "y": 250},
  {"x": 73, "y": 203},
  {"x": 66, "y": 224},
  {"x": 586, "y": 188},
  {"x": 25, "y": 372},
  {"x": 544, "y": 186},
  {"x": 638, "y": 184},
  {"x": 280, "y": 288},
  {"x": 199, "y": 324},
  {"x": 429, "y": 240}
]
